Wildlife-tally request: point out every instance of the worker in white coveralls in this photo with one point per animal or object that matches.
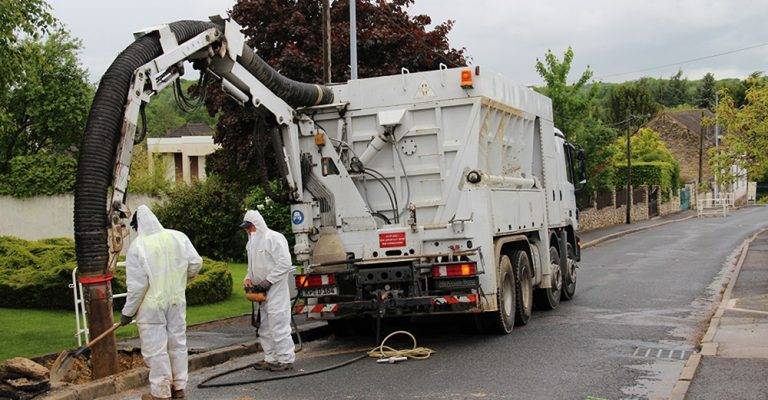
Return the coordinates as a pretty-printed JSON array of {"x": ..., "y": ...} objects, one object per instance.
[
  {"x": 269, "y": 270},
  {"x": 158, "y": 265}
]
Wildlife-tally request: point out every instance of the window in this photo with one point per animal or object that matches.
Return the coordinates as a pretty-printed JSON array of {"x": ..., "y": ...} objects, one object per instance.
[{"x": 568, "y": 153}]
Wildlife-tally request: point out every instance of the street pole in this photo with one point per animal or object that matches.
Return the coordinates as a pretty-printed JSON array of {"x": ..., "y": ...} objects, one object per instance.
[
  {"x": 701, "y": 146},
  {"x": 353, "y": 38},
  {"x": 326, "y": 41},
  {"x": 629, "y": 175}
]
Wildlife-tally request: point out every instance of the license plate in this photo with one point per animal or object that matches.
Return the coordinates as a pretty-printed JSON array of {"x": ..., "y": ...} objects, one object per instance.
[{"x": 320, "y": 291}]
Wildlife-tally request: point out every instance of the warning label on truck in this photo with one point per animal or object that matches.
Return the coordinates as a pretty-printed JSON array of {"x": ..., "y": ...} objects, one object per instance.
[{"x": 392, "y": 239}]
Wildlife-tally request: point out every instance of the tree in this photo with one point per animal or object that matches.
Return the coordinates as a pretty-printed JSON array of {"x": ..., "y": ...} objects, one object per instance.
[
  {"x": 630, "y": 105},
  {"x": 163, "y": 114},
  {"x": 746, "y": 133},
  {"x": 47, "y": 104},
  {"x": 287, "y": 35},
  {"x": 569, "y": 105},
  {"x": 707, "y": 92},
  {"x": 675, "y": 91},
  {"x": 20, "y": 19},
  {"x": 574, "y": 111}
]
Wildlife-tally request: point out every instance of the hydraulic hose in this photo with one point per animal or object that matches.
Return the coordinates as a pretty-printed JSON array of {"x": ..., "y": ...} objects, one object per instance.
[{"x": 103, "y": 128}]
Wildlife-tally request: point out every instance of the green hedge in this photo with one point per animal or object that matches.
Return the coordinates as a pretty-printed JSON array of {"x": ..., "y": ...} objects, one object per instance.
[
  {"x": 653, "y": 173},
  {"x": 37, "y": 274},
  {"x": 38, "y": 175}
]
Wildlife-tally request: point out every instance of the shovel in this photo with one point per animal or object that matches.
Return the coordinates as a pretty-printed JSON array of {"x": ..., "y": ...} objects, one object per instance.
[{"x": 64, "y": 360}]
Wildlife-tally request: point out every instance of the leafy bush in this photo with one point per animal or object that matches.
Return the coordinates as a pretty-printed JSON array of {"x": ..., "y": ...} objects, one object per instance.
[
  {"x": 38, "y": 175},
  {"x": 37, "y": 274},
  {"x": 276, "y": 215},
  {"x": 212, "y": 285},
  {"x": 209, "y": 213},
  {"x": 651, "y": 173}
]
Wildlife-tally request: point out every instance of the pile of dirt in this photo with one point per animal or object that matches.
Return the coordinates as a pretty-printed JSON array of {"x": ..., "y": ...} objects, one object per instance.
[{"x": 22, "y": 379}]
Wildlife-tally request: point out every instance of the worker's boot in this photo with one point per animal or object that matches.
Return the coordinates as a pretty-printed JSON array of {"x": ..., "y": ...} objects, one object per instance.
[
  {"x": 178, "y": 394},
  {"x": 280, "y": 367},
  {"x": 150, "y": 397},
  {"x": 261, "y": 365}
]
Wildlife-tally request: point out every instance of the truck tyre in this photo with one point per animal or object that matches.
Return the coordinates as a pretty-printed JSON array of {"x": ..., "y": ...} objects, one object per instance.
[
  {"x": 523, "y": 287},
  {"x": 569, "y": 275},
  {"x": 549, "y": 298},
  {"x": 503, "y": 320}
]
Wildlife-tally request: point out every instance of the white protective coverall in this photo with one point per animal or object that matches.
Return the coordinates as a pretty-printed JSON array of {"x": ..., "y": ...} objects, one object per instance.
[
  {"x": 158, "y": 265},
  {"x": 269, "y": 258}
]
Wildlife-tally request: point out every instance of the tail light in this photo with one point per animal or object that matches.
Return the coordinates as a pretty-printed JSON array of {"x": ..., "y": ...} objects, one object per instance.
[
  {"x": 308, "y": 281},
  {"x": 455, "y": 270}
]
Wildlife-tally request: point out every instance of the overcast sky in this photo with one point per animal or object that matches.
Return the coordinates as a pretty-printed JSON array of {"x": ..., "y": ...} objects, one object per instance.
[{"x": 611, "y": 36}]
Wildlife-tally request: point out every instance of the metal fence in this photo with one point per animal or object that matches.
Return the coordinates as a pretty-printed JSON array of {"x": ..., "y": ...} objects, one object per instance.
[
  {"x": 638, "y": 195},
  {"x": 584, "y": 200},
  {"x": 621, "y": 197},
  {"x": 604, "y": 199}
]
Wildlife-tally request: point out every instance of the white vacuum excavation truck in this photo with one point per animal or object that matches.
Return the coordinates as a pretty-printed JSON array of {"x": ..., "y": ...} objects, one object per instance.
[{"x": 448, "y": 191}]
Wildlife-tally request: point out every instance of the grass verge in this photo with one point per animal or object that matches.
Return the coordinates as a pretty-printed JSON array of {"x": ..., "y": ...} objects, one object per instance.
[{"x": 29, "y": 333}]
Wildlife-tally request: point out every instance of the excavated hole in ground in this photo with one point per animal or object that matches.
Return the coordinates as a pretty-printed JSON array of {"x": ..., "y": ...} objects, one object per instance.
[{"x": 80, "y": 370}]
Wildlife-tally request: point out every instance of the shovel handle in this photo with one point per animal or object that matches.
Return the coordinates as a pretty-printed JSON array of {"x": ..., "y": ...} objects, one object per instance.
[{"x": 103, "y": 335}]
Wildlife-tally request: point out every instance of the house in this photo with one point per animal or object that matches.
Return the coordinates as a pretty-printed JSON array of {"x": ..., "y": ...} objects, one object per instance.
[
  {"x": 680, "y": 130},
  {"x": 183, "y": 151}
]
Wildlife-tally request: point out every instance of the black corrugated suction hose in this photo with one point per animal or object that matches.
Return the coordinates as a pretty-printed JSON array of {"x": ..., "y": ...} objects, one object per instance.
[
  {"x": 292, "y": 92},
  {"x": 102, "y": 133}
]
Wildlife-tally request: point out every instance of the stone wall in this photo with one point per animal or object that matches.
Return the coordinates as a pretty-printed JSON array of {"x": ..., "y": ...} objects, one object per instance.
[
  {"x": 593, "y": 218},
  {"x": 670, "y": 207}
]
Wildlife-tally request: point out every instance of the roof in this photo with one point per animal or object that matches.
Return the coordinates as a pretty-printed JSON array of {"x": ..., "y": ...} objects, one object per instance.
[
  {"x": 191, "y": 129},
  {"x": 691, "y": 119}
]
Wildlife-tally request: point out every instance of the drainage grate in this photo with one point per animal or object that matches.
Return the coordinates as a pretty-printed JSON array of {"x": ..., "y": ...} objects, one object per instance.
[{"x": 661, "y": 353}]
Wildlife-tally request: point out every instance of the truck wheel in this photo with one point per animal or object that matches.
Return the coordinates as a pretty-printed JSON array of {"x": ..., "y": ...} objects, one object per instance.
[
  {"x": 503, "y": 320},
  {"x": 523, "y": 287},
  {"x": 549, "y": 298},
  {"x": 569, "y": 275}
]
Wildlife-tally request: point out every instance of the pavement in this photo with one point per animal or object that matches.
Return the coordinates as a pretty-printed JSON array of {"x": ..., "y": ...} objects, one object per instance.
[
  {"x": 734, "y": 362},
  {"x": 642, "y": 305},
  {"x": 205, "y": 337}
]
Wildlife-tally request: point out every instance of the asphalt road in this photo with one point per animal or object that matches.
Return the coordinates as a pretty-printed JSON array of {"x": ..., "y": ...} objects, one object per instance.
[{"x": 641, "y": 305}]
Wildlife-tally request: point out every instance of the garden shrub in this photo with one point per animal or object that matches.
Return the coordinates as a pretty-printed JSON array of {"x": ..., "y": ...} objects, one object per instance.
[
  {"x": 37, "y": 274},
  {"x": 209, "y": 213},
  {"x": 39, "y": 174}
]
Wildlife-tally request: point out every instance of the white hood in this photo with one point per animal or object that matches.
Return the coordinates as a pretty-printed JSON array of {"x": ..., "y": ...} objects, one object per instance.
[
  {"x": 147, "y": 221},
  {"x": 257, "y": 220}
]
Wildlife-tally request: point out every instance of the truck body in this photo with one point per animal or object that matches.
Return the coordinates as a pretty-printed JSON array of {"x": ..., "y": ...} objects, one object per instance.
[{"x": 477, "y": 170}]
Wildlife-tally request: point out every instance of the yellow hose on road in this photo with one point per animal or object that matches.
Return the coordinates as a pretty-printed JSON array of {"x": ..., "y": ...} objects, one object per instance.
[{"x": 415, "y": 352}]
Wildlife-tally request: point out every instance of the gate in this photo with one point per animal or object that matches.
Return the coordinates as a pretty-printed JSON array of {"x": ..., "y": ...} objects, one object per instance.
[
  {"x": 685, "y": 199},
  {"x": 653, "y": 202}
]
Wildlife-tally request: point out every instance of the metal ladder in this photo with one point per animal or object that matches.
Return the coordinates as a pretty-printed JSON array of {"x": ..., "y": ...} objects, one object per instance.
[{"x": 82, "y": 334}]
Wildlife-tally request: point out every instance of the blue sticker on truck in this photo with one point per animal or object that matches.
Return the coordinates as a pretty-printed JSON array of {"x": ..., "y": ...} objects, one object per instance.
[{"x": 297, "y": 217}]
